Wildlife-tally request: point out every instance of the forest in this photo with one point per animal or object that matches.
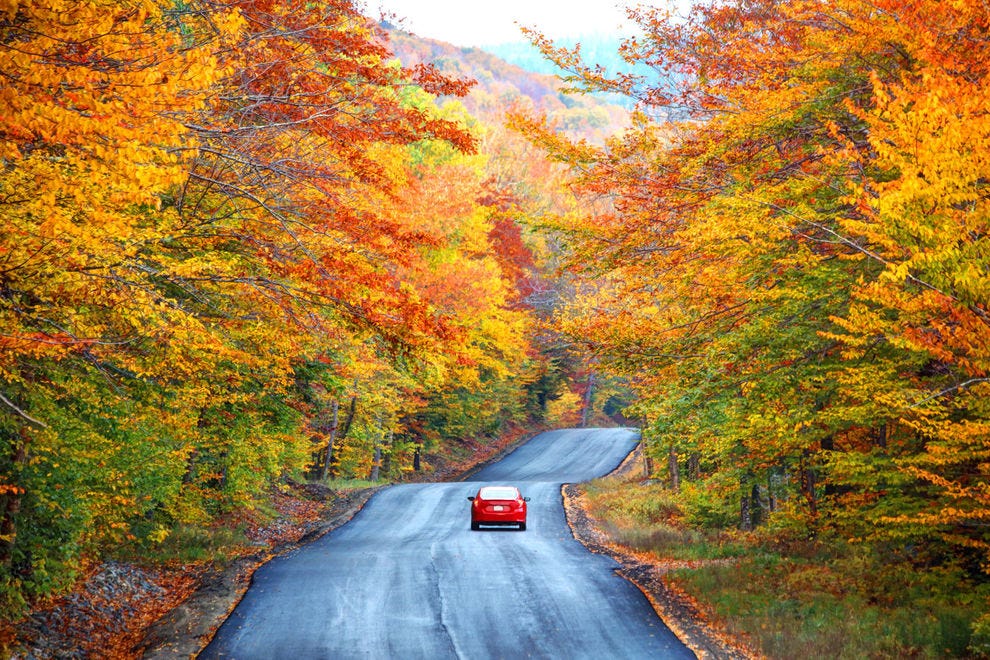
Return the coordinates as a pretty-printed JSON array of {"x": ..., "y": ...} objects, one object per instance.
[
  {"x": 242, "y": 244},
  {"x": 246, "y": 241}
]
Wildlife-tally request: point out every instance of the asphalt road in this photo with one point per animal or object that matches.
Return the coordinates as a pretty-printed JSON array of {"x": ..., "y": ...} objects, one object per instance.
[{"x": 407, "y": 578}]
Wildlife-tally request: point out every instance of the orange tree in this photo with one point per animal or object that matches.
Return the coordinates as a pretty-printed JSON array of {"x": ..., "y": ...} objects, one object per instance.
[
  {"x": 282, "y": 242},
  {"x": 466, "y": 273}
]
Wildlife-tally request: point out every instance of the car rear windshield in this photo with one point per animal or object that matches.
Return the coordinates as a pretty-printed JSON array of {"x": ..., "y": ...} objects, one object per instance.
[{"x": 498, "y": 493}]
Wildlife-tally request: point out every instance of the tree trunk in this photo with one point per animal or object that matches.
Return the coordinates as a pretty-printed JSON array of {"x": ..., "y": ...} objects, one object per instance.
[
  {"x": 376, "y": 464},
  {"x": 586, "y": 411},
  {"x": 417, "y": 461},
  {"x": 351, "y": 411},
  {"x": 674, "y": 469},
  {"x": 880, "y": 436},
  {"x": 10, "y": 505},
  {"x": 745, "y": 508},
  {"x": 328, "y": 460},
  {"x": 387, "y": 454},
  {"x": 694, "y": 466},
  {"x": 809, "y": 484},
  {"x": 756, "y": 507},
  {"x": 647, "y": 464}
]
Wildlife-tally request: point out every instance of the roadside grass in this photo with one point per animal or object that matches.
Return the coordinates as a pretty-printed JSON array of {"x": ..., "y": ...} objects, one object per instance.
[
  {"x": 192, "y": 544},
  {"x": 188, "y": 544},
  {"x": 347, "y": 485},
  {"x": 811, "y": 600},
  {"x": 243, "y": 531}
]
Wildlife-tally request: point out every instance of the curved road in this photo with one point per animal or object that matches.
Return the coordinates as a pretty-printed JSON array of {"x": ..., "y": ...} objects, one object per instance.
[{"x": 407, "y": 578}]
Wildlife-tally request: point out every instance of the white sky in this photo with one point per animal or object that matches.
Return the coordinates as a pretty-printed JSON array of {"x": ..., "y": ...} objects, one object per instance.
[{"x": 488, "y": 22}]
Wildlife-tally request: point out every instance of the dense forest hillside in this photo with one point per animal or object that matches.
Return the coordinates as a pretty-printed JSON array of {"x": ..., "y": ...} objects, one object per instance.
[{"x": 530, "y": 82}]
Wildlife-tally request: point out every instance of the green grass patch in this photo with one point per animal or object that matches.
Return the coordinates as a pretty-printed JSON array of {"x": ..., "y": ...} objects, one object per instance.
[
  {"x": 791, "y": 609},
  {"x": 347, "y": 485},
  {"x": 648, "y": 518},
  {"x": 190, "y": 544}
]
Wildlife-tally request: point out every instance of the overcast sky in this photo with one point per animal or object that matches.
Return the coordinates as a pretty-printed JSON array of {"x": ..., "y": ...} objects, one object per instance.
[{"x": 488, "y": 22}]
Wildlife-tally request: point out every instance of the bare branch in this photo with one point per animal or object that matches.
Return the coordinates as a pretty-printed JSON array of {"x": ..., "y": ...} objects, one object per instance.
[
  {"x": 20, "y": 412},
  {"x": 949, "y": 390}
]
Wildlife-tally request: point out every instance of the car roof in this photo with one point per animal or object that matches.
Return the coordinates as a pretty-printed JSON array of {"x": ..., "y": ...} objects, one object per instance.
[{"x": 498, "y": 493}]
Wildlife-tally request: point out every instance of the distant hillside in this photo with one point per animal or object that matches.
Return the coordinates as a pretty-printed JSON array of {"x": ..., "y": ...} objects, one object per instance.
[
  {"x": 597, "y": 49},
  {"x": 500, "y": 84}
]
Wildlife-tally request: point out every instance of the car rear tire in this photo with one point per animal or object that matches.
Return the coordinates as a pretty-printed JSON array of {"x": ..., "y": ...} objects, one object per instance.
[
  {"x": 522, "y": 527},
  {"x": 475, "y": 526}
]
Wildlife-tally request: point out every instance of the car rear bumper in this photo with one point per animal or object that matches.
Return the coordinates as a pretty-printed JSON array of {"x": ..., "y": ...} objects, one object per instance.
[{"x": 509, "y": 518}]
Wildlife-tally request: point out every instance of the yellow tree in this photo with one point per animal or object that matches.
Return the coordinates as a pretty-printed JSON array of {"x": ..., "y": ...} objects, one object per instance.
[
  {"x": 920, "y": 212},
  {"x": 89, "y": 147},
  {"x": 794, "y": 269}
]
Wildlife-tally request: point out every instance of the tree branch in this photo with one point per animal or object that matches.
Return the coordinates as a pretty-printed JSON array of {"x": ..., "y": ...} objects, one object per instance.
[{"x": 20, "y": 412}]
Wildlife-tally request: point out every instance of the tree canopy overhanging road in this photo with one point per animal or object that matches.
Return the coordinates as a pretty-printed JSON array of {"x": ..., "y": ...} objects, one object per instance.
[{"x": 407, "y": 578}]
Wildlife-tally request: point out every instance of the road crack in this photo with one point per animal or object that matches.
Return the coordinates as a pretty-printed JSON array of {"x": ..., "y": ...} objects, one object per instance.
[{"x": 442, "y": 603}]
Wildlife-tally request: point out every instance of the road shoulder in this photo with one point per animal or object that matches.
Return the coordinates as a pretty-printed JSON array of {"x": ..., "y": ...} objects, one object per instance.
[{"x": 674, "y": 608}]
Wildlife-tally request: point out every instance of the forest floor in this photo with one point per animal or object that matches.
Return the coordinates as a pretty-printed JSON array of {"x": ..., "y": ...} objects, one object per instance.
[{"x": 124, "y": 610}]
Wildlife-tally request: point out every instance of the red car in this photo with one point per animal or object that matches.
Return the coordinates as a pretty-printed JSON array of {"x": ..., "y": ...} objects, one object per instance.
[{"x": 498, "y": 505}]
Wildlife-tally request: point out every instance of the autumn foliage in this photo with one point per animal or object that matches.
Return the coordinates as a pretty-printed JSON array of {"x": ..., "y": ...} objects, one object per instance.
[
  {"x": 240, "y": 242},
  {"x": 787, "y": 255}
]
